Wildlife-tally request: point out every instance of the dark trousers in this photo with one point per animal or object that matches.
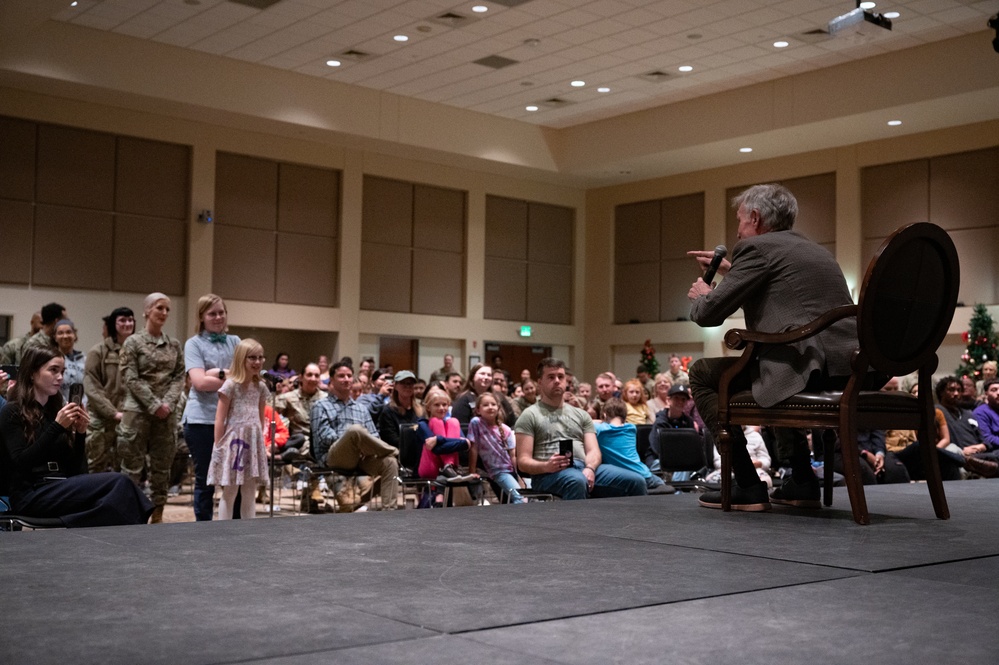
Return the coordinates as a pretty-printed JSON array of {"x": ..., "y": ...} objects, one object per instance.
[{"x": 200, "y": 441}]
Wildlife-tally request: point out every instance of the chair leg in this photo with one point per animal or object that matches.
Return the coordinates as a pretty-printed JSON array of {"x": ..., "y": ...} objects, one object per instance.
[
  {"x": 851, "y": 470},
  {"x": 931, "y": 469},
  {"x": 725, "y": 452},
  {"x": 828, "y": 451}
]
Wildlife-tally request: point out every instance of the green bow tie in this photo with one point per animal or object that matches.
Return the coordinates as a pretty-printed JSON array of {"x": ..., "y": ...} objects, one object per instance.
[{"x": 218, "y": 338}]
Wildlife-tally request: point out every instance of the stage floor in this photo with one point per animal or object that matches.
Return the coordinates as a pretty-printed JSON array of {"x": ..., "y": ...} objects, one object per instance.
[{"x": 643, "y": 580}]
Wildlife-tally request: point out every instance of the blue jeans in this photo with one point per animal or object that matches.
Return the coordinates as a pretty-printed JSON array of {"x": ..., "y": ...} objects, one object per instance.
[
  {"x": 653, "y": 482},
  {"x": 508, "y": 482},
  {"x": 200, "y": 440},
  {"x": 570, "y": 484}
]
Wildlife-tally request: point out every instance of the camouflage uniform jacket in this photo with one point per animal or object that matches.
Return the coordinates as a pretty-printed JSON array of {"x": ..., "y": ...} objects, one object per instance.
[
  {"x": 298, "y": 409},
  {"x": 152, "y": 369},
  {"x": 40, "y": 340},
  {"x": 11, "y": 352},
  {"x": 101, "y": 381}
]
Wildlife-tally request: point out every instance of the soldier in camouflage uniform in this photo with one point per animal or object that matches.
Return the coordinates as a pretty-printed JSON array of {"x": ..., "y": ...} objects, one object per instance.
[
  {"x": 105, "y": 392},
  {"x": 297, "y": 407},
  {"x": 152, "y": 369},
  {"x": 11, "y": 352},
  {"x": 45, "y": 338}
]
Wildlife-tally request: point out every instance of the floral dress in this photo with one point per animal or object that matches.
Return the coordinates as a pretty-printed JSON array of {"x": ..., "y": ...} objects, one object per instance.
[{"x": 241, "y": 454}]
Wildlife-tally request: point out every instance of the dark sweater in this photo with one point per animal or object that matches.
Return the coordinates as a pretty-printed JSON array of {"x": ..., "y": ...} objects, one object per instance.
[{"x": 50, "y": 455}]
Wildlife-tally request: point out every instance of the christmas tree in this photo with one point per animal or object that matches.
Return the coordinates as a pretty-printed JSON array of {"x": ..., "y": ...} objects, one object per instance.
[
  {"x": 649, "y": 361},
  {"x": 982, "y": 342}
]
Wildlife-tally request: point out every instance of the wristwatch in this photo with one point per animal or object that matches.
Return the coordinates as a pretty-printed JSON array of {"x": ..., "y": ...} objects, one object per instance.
[{"x": 221, "y": 375}]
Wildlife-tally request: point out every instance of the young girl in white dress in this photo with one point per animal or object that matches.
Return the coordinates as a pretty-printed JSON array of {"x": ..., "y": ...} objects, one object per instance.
[{"x": 239, "y": 459}]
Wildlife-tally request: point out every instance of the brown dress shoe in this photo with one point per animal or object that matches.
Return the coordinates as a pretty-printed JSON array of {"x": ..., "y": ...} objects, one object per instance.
[{"x": 983, "y": 467}]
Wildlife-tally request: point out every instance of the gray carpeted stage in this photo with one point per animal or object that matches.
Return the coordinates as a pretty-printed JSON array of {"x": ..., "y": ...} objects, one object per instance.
[{"x": 644, "y": 580}]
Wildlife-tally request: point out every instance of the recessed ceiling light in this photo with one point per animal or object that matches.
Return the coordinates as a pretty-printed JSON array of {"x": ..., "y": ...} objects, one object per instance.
[
  {"x": 781, "y": 44},
  {"x": 868, "y": 5},
  {"x": 894, "y": 123},
  {"x": 332, "y": 63},
  {"x": 401, "y": 38},
  {"x": 74, "y": 3},
  {"x": 604, "y": 89},
  {"x": 480, "y": 9},
  {"x": 745, "y": 149},
  {"x": 578, "y": 84},
  {"x": 532, "y": 107},
  {"x": 685, "y": 68},
  {"x": 891, "y": 14}
]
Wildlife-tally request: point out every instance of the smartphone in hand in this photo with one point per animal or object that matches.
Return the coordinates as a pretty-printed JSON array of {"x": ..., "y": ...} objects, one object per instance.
[
  {"x": 76, "y": 394},
  {"x": 565, "y": 448}
]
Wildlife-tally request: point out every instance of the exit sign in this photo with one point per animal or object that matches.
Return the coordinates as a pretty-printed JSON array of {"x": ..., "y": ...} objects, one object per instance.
[{"x": 525, "y": 331}]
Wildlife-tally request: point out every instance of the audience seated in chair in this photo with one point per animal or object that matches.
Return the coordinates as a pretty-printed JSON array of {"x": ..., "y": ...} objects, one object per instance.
[
  {"x": 344, "y": 437},
  {"x": 757, "y": 451}
]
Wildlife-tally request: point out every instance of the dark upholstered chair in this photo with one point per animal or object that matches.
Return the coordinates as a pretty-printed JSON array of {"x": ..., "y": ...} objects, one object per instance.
[{"x": 906, "y": 305}]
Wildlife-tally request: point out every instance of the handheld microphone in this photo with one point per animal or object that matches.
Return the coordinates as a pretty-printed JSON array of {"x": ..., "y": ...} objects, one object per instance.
[{"x": 720, "y": 253}]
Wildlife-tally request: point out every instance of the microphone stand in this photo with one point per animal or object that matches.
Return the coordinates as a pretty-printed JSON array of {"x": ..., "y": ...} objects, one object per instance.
[{"x": 273, "y": 432}]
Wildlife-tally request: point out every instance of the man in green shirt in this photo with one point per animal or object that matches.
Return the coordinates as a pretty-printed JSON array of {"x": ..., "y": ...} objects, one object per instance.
[{"x": 549, "y": 420}]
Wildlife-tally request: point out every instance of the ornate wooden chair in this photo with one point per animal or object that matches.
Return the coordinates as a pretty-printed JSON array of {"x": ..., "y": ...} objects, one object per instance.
[{"x": 906, "y": 305}]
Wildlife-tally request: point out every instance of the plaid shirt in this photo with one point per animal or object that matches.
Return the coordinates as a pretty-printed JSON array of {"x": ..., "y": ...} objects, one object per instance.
[{"x": 330, "y": 419}]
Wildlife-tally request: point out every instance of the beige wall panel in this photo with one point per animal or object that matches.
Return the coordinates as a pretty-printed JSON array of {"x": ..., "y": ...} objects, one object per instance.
[
  {"x": 964, "y": 190},
  {"x": 75, "y": 167},
  {"x": 245, "y": 191},
  {"x": 637, "y": 228},
  {"x": 17, "y": 159},
  {"x": 387, "y": 217},
  {"x": 153, "y": 178},
  {"x": 506, "y": 228},
  {"x": 386, "y": 273},
  {"x": 16, "y": 225},
  {"x": 870, "y": 245},
  {"x": 439, "y": 219},
  {"x": 72, "y": 248},
  {"x": 506, "y": 290},
  {"x": 816, "y": 206},
  {"x": 636, "y": 292},
  {"x": 549, "y": 234},
  {"x": 731, "y": 219},
  {"x": 893, "y": 195},
  {"x": 307, "y": 270},
  {"x": 149, "y": 255},
  {"x": 549, "y": 293},
  {"x": 682, "y": 225},
  {"x": 438, "y": 282},
  {"x": 243, "y": 263},
  {"x": 308, "y": 199},
  {"x": 676, "y": 276},
  {"x": 976, "y": 250}
]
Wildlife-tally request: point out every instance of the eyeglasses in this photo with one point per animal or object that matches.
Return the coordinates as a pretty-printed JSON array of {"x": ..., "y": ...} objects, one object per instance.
[{"x": 260, "y": 358}]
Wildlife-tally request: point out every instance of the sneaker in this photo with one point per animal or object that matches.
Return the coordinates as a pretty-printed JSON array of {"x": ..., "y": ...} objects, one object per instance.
[
  {"x": 800, "y": 495},
  {"x": 448, "y": 471},
  {"x": 751, "y": 500},
  {"x": 663, "y": 489}
]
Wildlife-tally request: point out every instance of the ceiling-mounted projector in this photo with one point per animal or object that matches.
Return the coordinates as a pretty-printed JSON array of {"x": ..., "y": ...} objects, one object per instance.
[{"x": 859, "y": 22}]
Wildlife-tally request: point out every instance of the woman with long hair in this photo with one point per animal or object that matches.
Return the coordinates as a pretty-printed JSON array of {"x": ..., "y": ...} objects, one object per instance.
[
  {"x": 207, "y": 356},
  {"x": 152, "y": 368},
  {"x": 480, "y": 380},
  {"x": 45, "y": 457}
]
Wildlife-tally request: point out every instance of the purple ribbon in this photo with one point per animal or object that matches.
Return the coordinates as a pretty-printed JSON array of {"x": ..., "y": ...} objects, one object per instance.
[{"x": 238, "y": 447}]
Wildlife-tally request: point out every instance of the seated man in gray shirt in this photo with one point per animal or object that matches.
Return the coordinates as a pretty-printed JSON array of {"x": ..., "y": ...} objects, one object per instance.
[{"x": 549, "y": 420}]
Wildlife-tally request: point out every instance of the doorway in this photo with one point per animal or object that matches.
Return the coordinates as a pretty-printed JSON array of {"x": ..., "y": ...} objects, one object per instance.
[
  {"x": 399, "y": 352},
  {"x": 516, "y": 357}
]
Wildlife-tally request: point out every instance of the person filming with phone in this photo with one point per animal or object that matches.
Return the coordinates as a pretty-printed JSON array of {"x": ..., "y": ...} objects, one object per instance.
[
  {"x": 557, "y": 445},
  {"x": 43, "y": 454}
]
